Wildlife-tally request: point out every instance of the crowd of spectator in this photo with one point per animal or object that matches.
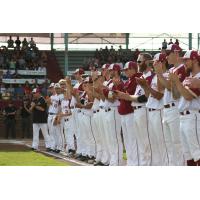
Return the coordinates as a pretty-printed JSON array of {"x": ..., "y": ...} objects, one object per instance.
[
  {"x": 165, "y": 43},
  {"x": 111, "y": 55},
  {"x": 22, "y": 56}
]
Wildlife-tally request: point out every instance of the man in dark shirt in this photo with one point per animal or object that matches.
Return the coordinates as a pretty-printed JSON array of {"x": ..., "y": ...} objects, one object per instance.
[
  {"x": 25, "y": 119},
  {"x": 18, "y": 43},
  {"x": 39, "y": 109},
  {"x": 9, "y": 113},
  {"x": 10, "y": 42}
]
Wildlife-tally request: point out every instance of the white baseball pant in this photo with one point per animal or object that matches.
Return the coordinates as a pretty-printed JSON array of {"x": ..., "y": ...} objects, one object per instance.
[
  {"x": 157, "y": 140},
  {"x": 113, "y": 136},
  {"x": 56, "y": 129},
  {"x": 51, "y": 132},
  {"x": 190, "y": 132},
  {"x": 62, "y": 123},
  {"x": 88, "y": 134},
  {"x": 140, "y": 122},
  {"x": 69, "y": 131},
  {"x": 130, "y": 142},
  {"x": 97, "y": 135},
  {"x": 44, "y": 129},
  {"x": 171, "y": 128},
  {"x": 105, "y": 159}
]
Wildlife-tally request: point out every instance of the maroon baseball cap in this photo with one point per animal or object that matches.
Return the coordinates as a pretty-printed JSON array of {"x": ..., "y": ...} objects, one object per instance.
[
  {"x": 79, "y": 71},
  {"x": 160, "y": 57},
  {"x": 173, "y": 48},
  {"x": 130, "y": 65},
  {"x": 115, "y": 67},
  {"x": 191, "y": 55},
  {"x": 105, "y": 66}
]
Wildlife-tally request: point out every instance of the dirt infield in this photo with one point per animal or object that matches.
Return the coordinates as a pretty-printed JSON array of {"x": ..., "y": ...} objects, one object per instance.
[{"x": 13, "y": 147}]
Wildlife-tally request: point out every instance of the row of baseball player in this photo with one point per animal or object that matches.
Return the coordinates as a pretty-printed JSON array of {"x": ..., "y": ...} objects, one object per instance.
[{"x": 155, "y": 114}]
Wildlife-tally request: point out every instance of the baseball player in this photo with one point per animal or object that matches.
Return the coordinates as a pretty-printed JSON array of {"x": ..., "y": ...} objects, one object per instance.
[
  {"x": 38, "y": 107},
  {"x": 86, "y": 125},
  {"x": 105, "y": 159},
  {"x": 140, "y": 120},
  {"x": 67, "y": 106},
  {"x": 79, "y": 93},
  {"x": 112, "y": 117},
  {"x": 154, "y": 105},
  {"x": 189, "y": 107},
  {"x": 126, "y": 111},
  {"x": 171, "y": 118},
  {"x": 62, "y": 83}
]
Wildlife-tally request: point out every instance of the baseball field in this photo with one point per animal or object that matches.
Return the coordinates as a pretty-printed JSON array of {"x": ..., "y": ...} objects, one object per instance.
[{"x": 20, "y": 155}]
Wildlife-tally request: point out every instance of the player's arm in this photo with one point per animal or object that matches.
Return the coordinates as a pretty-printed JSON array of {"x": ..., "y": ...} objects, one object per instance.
[
  {"x": 185, "y": 92},
  {"x": 164, "y": 82}
]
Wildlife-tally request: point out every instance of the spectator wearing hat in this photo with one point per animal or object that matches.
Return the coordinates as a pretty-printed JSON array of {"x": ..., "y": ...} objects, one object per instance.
[
  {"x": 164, "y": 44},
  {"x": 9, "y": 113},
  {"x": 25, "y": 119},
  {"x": 39, "y": 109}
]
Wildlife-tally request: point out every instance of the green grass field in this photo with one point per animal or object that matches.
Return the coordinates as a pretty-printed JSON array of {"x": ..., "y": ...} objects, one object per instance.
[{"x": 28, "y": 158}]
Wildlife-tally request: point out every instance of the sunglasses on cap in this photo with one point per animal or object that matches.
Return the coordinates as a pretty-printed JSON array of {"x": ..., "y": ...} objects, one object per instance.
[{"x": 140, "y": 61}]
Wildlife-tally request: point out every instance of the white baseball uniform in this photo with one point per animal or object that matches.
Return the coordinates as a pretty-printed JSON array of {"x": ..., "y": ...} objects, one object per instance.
[
  {"x": 140, "y": 122},
  {"x": 54, "y": 130},
  {"x": 155, "y": 126},
  {"x": 67, "y": 106},
  {"x": 190, "y": 125},
  {"x": 96, "y": 127},
  {"x": 171, "y": 124},
  {"x": 113, "y": 131}
]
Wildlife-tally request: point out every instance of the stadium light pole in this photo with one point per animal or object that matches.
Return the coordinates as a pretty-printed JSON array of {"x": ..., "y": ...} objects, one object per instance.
[
  {"x": 190, "y": 41},
  {"x": 52, "y": 41},
  {"x": 127, "y": 40},
  {"x": 66, "y": 64}
]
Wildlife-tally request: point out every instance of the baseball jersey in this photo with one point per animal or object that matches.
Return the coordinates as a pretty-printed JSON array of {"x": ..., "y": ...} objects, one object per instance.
[
  {"x": 180, "y": 70},
  {"x": 111, "y": 88},
  {"x": 194, "y": 104},
  {"x": 139, "y": 91},
  {"x": 129, "y": 87},
  {"x": 54, "y": 107},
  {"x": 67, "y": 104},
  {"x": 153, "y": 102}
]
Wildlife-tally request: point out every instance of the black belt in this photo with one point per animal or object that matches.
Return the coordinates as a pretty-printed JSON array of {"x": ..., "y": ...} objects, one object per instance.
[
  {"x": 151, "y": 109},
  {"x": 52, "y": 114},
  {"x": 79, "y": 111},
  {"x": 187, "y": 112},
  {"x": 169, "y": 105},
  {"x": 107, "y": 110},
  {"x": 136, "y": 107},
  {"x": 96, "y": 111},
  {"x": 101, "y": 107},
  {"x": 66, "y": 120}
]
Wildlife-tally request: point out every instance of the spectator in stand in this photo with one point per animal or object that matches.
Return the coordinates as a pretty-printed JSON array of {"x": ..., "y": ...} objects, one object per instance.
[
  {"x": 1, "y": 59},
  {"x": 12, "y": 64},
  {"x": 2, "y": 89},
  {"x": 24, "y": 44},
  {"x": 170, "y": 42},
  {"x": 44, "y": 87},
  {"x": 21, "y": 62},
  {"x": 7, "y": 75},
  {"x": 42, "y": 69},
  {"x": 177, "y": 42},
  {"x": 26, "y": 119},
  {"x": 164, "y": 44},
  {"x": 18, "y": 43},
  {"x": 11, "y": 91},
  {"x": 136, "y": 54},
  {"x": 10, "y": 42},
  {"x": 32, "y": 43},
  {"x": 19, "y": 92},
  {"x": 9, "y": 113}
]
